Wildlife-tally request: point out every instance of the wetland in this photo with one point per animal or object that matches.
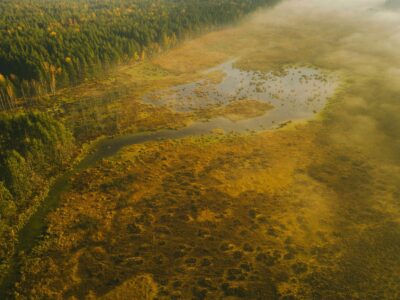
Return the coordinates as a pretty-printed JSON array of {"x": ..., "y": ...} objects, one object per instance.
[{"x": 259, "y": 161}]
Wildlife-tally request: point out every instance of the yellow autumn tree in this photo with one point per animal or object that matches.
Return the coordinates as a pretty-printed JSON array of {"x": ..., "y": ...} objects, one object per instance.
[
  {"x": 142, "y": 55},
  {"x": 2, "y": 79},
  {"x": 51, "y": 71}
]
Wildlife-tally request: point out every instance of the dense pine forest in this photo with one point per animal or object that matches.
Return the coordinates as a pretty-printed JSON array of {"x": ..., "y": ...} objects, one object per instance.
[
  {"x": 34, "y": 147},
  {"x": 46, "y": 45}
]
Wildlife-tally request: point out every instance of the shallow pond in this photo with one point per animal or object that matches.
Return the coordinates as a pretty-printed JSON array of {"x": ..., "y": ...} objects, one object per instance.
[{"x": 295, "y": 93}]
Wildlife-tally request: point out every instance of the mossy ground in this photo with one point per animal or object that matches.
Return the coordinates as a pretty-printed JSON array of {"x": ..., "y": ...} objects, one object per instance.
[{"x": 257, "y": 217}]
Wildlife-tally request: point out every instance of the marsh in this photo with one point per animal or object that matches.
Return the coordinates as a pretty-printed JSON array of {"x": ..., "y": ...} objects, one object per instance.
[{"x": 310, "y": 210}]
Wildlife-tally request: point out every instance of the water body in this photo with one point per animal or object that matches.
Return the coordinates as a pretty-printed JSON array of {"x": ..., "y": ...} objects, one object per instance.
[
  {"x": 295, "y": 93},
  {"x": 298, "y": 94}
]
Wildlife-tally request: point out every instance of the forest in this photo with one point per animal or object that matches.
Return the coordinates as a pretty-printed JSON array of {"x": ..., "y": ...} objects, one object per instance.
[
  {"x": 34, "y": 147},
  {"x": 46, "y": 44}
]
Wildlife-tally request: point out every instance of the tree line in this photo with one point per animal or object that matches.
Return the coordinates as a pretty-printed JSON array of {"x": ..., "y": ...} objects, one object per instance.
[
  {"x": 47, "y": 44},
  {"x": 33, "y": 148}
]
